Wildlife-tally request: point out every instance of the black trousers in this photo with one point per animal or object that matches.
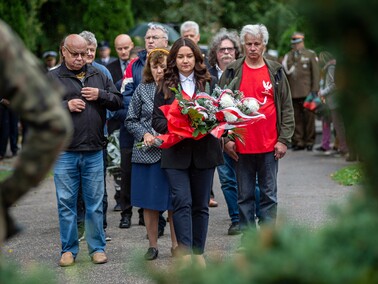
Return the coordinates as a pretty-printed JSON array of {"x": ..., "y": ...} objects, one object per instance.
[
  {"x": 125, "y": 193},
  {"x": 190, "y": 196},
  {"x": 9, "y": 130}
]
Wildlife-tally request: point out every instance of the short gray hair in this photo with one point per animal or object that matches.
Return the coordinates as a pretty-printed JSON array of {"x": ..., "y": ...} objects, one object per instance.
[
  {"x": 217, "y": 40},
  {"x": 189, "y": 25},
  {"x": 155, "y": 26},
  {"x": 255, "y": 30},
  {"x": 89, "y": 37}
]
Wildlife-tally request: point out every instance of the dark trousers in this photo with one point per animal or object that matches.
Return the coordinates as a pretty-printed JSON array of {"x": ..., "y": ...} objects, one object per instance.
[
  {"x": 9, "y": 130},
  {"x": 304, "y": 132},
  {"x": 190, "y": 197},
  {"x": 265, "y": 167},
  {"x": 125, "y": 193}
]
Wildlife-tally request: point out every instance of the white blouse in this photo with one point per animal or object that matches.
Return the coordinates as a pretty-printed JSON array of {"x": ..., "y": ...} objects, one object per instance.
[{"x": 188, "y": 84}]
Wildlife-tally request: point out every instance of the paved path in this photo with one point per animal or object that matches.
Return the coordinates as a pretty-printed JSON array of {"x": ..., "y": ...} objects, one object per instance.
[{"x": 305, "y": 191}]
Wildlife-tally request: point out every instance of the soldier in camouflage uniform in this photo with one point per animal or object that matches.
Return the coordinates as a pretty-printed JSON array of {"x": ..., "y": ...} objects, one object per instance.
[
  {"x": 24, "y": 85},
  {"x": 302, "y": 70}
]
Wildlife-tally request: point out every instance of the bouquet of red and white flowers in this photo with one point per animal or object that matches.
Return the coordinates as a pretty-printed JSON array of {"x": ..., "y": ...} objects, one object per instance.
[{"x": 206, "y": 113}]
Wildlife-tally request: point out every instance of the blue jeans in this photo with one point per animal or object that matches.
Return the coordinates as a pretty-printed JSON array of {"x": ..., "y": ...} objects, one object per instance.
[
  {"x": 227, "y": 178},
  {"x": 265, "y": 166},
  {"x": 71, "y": 170},
  {"x": 81, "y": 206}
]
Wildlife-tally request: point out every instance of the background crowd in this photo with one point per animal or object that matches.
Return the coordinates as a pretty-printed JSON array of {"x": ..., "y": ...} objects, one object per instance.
[{"x": 247, "y": 172}]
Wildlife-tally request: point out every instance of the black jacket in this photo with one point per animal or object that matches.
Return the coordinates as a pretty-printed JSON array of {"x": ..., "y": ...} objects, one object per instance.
[
  {"x": 115, "y": 70},
  {"x": 203, "y": 153},
  {"x": 89, "y": 124}
]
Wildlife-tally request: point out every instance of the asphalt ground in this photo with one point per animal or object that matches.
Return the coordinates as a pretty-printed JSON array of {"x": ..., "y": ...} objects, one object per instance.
[{"x": 305, "y": 191}]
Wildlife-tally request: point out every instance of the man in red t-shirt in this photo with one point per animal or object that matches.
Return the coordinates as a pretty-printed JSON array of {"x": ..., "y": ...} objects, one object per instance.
[{"x": 265, "y": 142}]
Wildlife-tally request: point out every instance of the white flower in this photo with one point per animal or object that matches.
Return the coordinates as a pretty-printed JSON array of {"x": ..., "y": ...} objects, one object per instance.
[
  {"x": 251, "y": 104},
  {"x": 226, "y": 101},
  {"x": 229, "y": 117}
]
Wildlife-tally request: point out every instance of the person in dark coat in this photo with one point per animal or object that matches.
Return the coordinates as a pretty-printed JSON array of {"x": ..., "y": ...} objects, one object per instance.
[{"x": 189, "y": 164}]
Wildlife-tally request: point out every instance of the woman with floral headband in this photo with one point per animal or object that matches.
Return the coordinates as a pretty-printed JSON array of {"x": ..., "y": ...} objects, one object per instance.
[
  {"x": 149, "y": 186},
  {"x": 190, "y": 163}
]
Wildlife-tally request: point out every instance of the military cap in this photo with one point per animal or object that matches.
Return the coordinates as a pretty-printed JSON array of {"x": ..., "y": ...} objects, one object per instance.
[
  {"x": 297, "y": 37},
  {"x": 49, "y": 53},
  {"x": 103, "y": 44}
]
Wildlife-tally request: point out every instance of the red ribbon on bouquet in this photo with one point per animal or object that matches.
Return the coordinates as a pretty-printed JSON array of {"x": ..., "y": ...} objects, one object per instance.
[{"x": 178, "y": 126}]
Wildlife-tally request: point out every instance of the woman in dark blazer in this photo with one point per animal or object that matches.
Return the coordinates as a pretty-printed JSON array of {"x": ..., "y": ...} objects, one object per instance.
[{"x": 189, "y": 164}]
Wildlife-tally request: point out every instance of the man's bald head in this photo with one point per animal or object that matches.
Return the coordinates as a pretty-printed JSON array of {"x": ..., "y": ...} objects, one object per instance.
[
  {"x": 123, "y": 44},
  {"x": 74, "y": 51},
  {"x": 74, "y": 40}
]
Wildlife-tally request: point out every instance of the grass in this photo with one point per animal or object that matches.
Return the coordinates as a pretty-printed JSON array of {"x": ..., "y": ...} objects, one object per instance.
[
  {"x": 351, "y": 175},
  {"x": 4, "y": 174}
]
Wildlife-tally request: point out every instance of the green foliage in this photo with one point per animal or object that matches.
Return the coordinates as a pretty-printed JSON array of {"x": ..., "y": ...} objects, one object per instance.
[
  {"x": 351, "y": 175},
  {"x": 277, "y": 15},
  {"x": 4, "y": 174},
  {"x": 106, "y": 19},
  {"x": 344, "y": 251},
  {"x": 22, "y": 16},
  {"x": 9, "y": 273},
  {"x": 354, "y": 43},
  {"x": 99, "y": 17},
  {"x": 42, "y": 24}
]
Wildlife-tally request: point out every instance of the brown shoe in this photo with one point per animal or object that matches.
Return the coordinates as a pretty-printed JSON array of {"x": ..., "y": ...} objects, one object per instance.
[
  {"x": 66, "y": 259},
  {"x": 99, "y": 258},
  {"x": 213, "y": 203}
]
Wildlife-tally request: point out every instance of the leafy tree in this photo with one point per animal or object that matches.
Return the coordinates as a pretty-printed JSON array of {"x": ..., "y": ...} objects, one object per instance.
[
  {"x": 278, "y": 15},
  {"x": 105, "y": 19},
  {"x": 22, "y": 16}
]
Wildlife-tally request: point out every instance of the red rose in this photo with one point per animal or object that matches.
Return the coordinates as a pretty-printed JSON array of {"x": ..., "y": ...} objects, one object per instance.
[{"x": 219, "y": 116}]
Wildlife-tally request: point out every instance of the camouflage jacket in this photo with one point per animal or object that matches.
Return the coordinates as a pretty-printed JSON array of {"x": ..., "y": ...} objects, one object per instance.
[{"x": 38, "y": 103}]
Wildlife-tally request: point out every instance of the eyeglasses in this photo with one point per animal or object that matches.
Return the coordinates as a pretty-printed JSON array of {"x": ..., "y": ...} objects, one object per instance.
[
  {"x": 153, "y": 37},
  {"x": 224, "y": 49},
  {"x": 76, "y": 54}
]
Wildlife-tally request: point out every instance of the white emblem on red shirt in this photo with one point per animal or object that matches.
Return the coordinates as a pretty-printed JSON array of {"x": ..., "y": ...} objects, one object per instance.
[{"x": 267, "y": 86}]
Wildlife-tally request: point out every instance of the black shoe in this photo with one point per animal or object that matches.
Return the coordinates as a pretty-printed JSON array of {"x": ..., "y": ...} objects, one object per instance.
[
  {"x": 125, "y": 222},
  {"x": 298, "y": 148},
  {"x": 117, "y": 208},
  {"x": 234, "y": 229},
  {"x": 309, "y": 147},
  {"x": 320, "y": 149},
  {"x": 160, "y": 232},
  {"x": 151, "y": 254},
  {"x": 141, "y": 221}
]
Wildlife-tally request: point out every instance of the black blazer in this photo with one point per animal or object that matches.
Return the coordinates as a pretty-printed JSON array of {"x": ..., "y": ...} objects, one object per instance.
[
  {"x": 213, "y": 71},
  {"x": 203, "y": 153},
  {"x": 115, "y": 70}
]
